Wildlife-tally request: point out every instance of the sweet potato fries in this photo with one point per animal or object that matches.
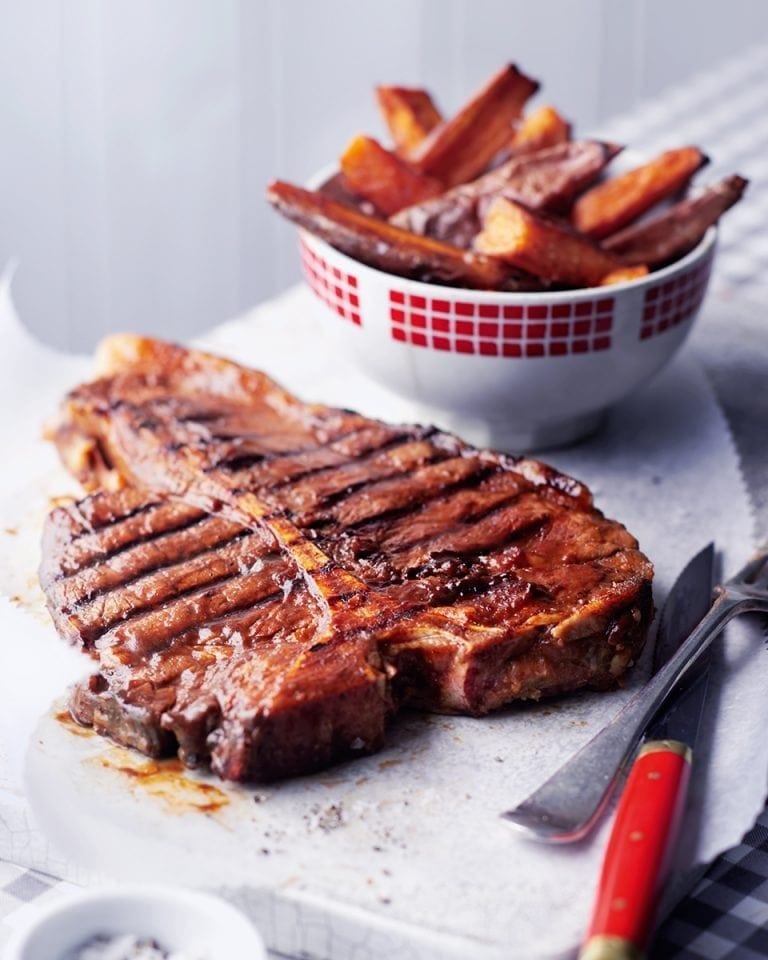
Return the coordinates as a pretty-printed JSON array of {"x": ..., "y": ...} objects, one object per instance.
[
  {"x": 546, "y": 179},
  {"x": 462, "y": 147},
  {"x": 671, "y": 234},
  {"x": 614, "y": 203},
  {"x": 382, "y": 245},
  {"x": 410, "y": 115},
  {"x": 492, "y": 198},
  {"x": 383, "y": 178},
  {"x": 546, "y": 249}
]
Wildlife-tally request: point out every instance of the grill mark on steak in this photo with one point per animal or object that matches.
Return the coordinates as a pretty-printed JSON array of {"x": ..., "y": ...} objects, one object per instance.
[
  {"x": 250, "y": 610},
  {"x": 182, "y": 560},
  {"x": 228, "y": 633},
  {"x": 99, "y": 624},
  {"x": 451, "y": 505},
  {"x": 460, "y": 549},
  {"x": 278, "y": 472},
  {"x": 464, "y": 514},
  {"x": 112, "y": 520},
  {"x": 457, "y": 554},
  {"x": 242, "y": 620},
  {"x": 201, "y": 416},
  {"x": 238, "y": 462},
  {"x": 324, "y": 479},
  {"x": 181, "y": 527},
  {"x": 370, "y": 483},
  {"x": 165, "y": 546},
  {"x": 88, "y": 547},
  {"x": 455, "y": 562},
  {"x": 399, "y": 439},
  {"x": 167, "y": 620},
  {"x": 413, "y": 501},
  {"x": 476, "y": 598},
  {"x": 490, "y": 509},
  {"x": 498, "y": 528},
  {"x": 479, "y": 578}
]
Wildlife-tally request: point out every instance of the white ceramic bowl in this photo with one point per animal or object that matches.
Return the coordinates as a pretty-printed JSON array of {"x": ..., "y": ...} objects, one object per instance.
[
  {"x": 198, "y": 923},
  {"x": 523, "y": 370}
]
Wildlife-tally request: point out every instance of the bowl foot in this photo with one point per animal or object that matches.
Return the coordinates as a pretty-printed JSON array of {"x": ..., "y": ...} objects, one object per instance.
[
  {"x": 511, "y": 437},
  {"x": 559, "y": 433}
]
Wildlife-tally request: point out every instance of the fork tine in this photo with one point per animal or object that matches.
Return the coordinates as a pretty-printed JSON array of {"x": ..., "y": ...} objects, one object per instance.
[{"x": 755, "y": 573}]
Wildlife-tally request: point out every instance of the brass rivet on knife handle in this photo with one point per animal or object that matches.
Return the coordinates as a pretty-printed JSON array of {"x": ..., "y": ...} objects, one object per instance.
[
  {"x": 667, "y": 746},
  {"x": 605, "y": 947}
]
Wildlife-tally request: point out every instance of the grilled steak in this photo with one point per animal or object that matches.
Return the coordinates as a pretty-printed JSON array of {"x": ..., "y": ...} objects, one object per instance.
[
  {"x": 420, "y": 570},
  {"x": 204, "y": 633}
]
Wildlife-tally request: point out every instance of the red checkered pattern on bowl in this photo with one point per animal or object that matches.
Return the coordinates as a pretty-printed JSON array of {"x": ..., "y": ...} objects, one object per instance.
[
  {"x": 674, "y": 301},
  {"x": 334, "y": 287},
  {"x": 495, "y": 330}
]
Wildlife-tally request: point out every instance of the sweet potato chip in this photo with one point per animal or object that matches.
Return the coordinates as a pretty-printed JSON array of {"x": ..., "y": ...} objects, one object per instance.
[
  {"x": 461, "y": 148},
  {"x": 383, "y": 246},
  {"x": 496, "y": 199},
  {"x": 671, "y": 234},
  {"x": 613, "y": 204},
  {"x": 544, "y": 248},
  {"x": 541, "y": 128},
  {"x": 410, "y": 115},
  {"x": 543, "y": 180},
  {"x": 383, "y": 178},
  {"x": 623, "y": 275}
]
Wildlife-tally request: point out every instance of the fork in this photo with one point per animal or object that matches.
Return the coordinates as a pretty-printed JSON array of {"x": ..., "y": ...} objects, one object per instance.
[{"x": 569, "y": 804}]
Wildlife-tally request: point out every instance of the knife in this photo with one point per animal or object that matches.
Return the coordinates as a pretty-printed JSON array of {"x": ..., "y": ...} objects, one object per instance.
[{"x": 648, "y": 817}]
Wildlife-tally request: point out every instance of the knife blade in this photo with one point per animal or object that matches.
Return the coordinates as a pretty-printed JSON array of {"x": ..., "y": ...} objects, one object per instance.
[
  {"x": 688, "y": 602},
  {"x": 649, "y": 814}
]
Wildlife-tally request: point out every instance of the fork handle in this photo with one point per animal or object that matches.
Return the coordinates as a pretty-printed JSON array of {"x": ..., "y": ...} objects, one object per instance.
[{"x": 637, "y": 857}]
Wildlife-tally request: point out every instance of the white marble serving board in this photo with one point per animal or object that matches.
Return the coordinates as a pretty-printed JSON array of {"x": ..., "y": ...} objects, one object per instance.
[{"x": 401, "y": 855}]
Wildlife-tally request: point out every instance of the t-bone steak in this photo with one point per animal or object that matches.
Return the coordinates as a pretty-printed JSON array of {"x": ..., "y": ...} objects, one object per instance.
[{"x": 262, "y": 582}]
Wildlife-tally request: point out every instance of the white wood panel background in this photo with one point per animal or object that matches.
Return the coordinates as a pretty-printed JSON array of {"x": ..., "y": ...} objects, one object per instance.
[{"x": 136, "y": 136}]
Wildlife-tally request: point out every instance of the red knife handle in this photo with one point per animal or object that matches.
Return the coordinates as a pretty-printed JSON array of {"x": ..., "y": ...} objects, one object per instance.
[{"x": 637, "y": 858}]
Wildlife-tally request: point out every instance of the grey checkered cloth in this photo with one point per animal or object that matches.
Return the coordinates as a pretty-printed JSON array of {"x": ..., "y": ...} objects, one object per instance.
[
  {"x": 21, "y": 893},
  {"x": 726, "y": 914}
]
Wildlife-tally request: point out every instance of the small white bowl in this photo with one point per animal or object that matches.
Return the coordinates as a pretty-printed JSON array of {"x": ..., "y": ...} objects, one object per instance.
[
  {"x": 518, "y": 371},
  {"x": 198, "y": 923}
]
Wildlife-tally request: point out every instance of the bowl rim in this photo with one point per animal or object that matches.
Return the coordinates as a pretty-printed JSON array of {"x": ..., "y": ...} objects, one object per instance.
[
  {"x": 132, "y": 896},
  {"x": 436, "y": 290}
]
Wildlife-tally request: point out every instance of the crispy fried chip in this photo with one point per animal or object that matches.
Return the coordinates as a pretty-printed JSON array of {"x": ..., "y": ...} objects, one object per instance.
[
  {"x": 382, "y": 245},
  {"x": 507, "y": 188},
  {"x": 674, "y": 232},
  {"x": 613, "y": 204},
  {"x": 624, "y": 275},
  {"x": 383, "y": 178},
  {"x": 410, "y": 115},
  {"x": 461, "y": 148},
  {"x": 543, "y": 180},
  {"x": 546, "y": 249},
  {"x": 541, "y": 128}
]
